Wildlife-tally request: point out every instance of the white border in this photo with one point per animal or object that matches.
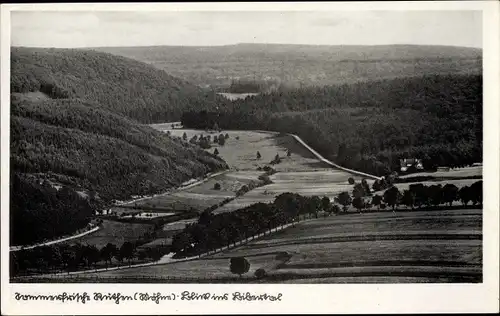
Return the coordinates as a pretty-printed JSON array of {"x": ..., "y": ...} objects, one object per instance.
[{"x": 397, "y": 298}]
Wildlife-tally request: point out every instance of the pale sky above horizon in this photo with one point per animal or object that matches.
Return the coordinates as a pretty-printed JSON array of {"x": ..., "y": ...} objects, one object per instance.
[{"x": 94, "y": 28}]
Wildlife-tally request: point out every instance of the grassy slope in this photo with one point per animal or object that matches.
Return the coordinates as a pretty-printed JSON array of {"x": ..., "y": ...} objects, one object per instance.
[{"x": 306, "y": 64}]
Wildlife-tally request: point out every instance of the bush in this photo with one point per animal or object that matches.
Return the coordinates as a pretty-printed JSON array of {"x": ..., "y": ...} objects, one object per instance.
[
  {"x": 221, "y": 140},
  {"x": 265, "y": 179},
  {"x": 244, "y": 189},
  {"x": 217, "y": 186},
  {"x": 283, "y": 256},
  {"x": 260, "y": 273},
  {"x": 351, "y": 181},
  {"x": 269, "y": 170}
]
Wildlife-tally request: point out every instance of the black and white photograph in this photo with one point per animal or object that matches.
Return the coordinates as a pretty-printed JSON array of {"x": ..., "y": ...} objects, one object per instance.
[{"x": 245, "y": 147}]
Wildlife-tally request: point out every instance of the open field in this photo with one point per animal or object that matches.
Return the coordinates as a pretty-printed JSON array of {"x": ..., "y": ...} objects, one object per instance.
[
  {"x": 454, "y": 173},
  {"x": 434, "y": 243},
  {"x": 459, "y": 183},
  {"x": 114, "y": 232},
  {"x": 236, "y": 96},
  {"x": 241, "y": 153},
  {"x": 203, "y": 195},
  {"x": 203, "y": 268},
  {"x": 328, "y": 182},
  {"x": 408, "y": 247}
]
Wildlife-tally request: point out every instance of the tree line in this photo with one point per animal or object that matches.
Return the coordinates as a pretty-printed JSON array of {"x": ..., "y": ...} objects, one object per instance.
[
  {"x": 215, "y": 231},
  {"x": 416, "y": 196},
  {"x": 68, "y": 258}
]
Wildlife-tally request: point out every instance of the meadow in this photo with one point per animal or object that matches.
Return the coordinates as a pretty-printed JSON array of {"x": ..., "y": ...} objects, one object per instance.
[
  {"x": 453, "y": 173},
  {"x": 202, "y": 268},
  {"x": 240, "y": 149},
  {"x": 326, "y": 182},
  {"x": 408, "y": 247},
  {"x": 407, "y": 244},
  {"x": 203, "y": 195},
  {"x": 114, "y": 232}
]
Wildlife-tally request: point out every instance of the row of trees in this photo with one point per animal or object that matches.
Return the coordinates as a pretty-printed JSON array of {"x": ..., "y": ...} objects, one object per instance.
[
  {"x": 57, "y": 258},
  {"x": 416, "y": 196},
  {"x": 214, "y": 231}
]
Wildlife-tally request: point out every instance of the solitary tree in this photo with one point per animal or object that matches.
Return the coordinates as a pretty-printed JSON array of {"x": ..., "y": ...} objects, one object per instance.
[
  {"x": 260, "y": 273},
  {"x": 222, "y": 140},
  {"x": 258, "y": 155},
  {"x": 277, "y": 159},
  {"x": 184, "y": 136},
  {"x": 239, "y": 265},
  {"x": 217, "y": 186},
  {"x": 226, "y": 136},
  {"x": 351, "y": 181},
  {"x": 216, "y": 152},
  {"x": 288, "y": 153}
]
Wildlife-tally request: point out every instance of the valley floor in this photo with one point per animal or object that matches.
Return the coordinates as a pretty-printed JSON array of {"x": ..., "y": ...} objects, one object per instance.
[{"x": 382, "y": 247}]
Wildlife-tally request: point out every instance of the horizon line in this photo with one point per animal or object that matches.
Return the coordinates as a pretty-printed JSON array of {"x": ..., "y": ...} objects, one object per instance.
[{"x": 249, "y": 43}]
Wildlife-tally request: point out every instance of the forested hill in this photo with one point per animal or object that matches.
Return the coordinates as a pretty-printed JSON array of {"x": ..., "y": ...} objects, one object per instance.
[
  {"x": 368, "y": 126},
  {"x": 72, "y": 148},
  {"x": 122, "y": 85},
  {"x": 307, "y": 65}
]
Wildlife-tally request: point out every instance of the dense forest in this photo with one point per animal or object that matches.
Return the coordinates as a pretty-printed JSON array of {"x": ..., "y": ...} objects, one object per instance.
[
  {"x": 69, "y": 132},
  {"x": 122, "y": 85},
  {"x": 369, "y": 126},
  {"x": 307, "y": 65}
]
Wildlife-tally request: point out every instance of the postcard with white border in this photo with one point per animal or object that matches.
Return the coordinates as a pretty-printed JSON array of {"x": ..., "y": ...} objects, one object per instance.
[{"x": 237, "y": 158}]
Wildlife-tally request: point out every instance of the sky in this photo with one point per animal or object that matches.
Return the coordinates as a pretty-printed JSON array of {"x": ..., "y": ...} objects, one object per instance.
[{"x": 96, "y": 29}]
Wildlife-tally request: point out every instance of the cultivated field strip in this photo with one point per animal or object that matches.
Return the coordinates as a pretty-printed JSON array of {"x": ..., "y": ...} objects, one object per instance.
[
  {"x": 241, "y": 153},
  {"x": 441, "y": 246},
  {"x": 455, "y": 173}
]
